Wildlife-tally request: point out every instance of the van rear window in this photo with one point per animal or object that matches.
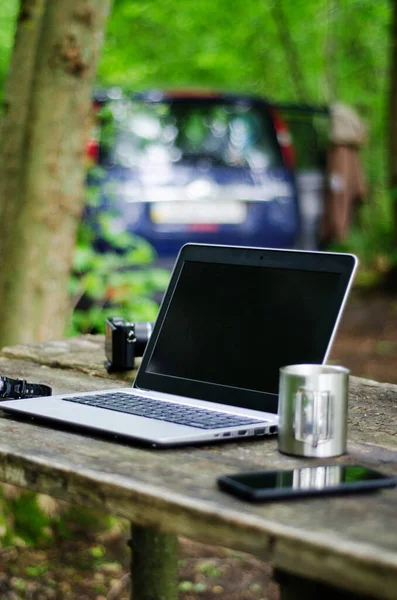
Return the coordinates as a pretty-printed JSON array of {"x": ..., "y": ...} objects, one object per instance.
[{"x": 136, "y": 133}]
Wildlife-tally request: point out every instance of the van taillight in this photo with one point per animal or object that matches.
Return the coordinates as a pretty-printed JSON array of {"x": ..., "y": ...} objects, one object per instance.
[
  {"x": 93, "y": 150},
  {"x": 284, "y": 138}
]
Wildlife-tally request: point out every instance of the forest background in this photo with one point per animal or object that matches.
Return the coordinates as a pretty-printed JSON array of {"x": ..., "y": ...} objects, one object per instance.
[{"x": 313, "y": 51}]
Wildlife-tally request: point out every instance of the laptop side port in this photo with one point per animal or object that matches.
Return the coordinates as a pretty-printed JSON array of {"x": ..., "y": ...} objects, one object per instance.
[{"x": 260, "y": 431}]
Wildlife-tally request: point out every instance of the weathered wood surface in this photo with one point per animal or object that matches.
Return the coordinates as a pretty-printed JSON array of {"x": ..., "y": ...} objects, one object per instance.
[
  {"x": 85, "y": 354},
  {"x": 350, "y": 542}
]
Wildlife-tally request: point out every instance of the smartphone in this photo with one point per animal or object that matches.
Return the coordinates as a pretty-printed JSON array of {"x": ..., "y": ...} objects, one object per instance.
[{"x": 262, "y": 486}]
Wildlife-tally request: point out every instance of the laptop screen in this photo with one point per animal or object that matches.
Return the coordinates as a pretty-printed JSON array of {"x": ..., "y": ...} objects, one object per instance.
[{"x": 233, "y": 326}]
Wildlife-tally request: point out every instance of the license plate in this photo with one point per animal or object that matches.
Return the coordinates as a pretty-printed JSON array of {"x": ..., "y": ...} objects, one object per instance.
[{"x": 187, "y": 213}]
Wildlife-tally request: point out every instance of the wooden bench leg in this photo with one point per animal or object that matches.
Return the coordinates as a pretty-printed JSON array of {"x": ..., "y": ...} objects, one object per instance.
[
  {"x": 293, "y": 587},
  {"x": 154, "y": 564}
]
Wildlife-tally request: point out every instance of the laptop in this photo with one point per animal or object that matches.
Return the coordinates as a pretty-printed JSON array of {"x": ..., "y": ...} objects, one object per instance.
[{"x": 230, "y": 318}]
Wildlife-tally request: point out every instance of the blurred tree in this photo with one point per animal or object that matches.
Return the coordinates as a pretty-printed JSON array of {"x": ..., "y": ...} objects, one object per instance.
[
  {"x": 392, "y": 124},
  {"x": 389, "y": 268},
  {"x": 291, "y": 55},
  {"x": 42, "y": 170}
]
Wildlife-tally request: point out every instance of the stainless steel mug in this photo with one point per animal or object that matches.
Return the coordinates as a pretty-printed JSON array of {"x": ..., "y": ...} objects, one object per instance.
[{"x": 312, "y": 410}]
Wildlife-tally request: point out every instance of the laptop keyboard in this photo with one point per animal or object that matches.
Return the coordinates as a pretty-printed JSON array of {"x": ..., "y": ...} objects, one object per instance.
[{"x": 163, "y": 410}]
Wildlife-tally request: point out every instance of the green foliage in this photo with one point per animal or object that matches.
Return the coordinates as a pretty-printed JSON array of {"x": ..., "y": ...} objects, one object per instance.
[
  {"x": 8, "y": 14},
  {"x": 372, "y": 239},
  {"x": 190, "y": 586},
  {"x": 209, "y": 568},
  {"x": 118, "y": 282},
  {"x": 38, "y": 570},
  {"x": 23, "y": 519}
]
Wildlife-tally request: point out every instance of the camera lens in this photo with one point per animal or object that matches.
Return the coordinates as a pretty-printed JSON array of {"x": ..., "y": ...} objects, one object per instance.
[{"x": 143, "y": 331}]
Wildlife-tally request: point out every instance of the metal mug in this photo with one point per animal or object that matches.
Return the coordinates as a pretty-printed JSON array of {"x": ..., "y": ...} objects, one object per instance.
[{"x": 312, "y": 410}]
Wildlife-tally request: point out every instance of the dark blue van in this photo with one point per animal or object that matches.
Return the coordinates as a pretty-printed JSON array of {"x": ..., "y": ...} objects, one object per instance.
[{"x": 195, "y": 166}]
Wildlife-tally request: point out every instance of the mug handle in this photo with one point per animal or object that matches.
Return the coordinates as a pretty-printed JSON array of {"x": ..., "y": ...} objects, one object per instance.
[{"x": 313, "y": 416}]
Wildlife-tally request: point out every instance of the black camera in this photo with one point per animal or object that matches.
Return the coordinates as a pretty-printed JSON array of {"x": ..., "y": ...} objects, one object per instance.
[{"x": 124, "y": 341}]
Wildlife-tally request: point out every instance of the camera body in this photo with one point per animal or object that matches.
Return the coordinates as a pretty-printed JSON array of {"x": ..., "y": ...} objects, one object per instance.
[
  {"x": 123, "y": 342},
  {"x": 119, "y": 344}
]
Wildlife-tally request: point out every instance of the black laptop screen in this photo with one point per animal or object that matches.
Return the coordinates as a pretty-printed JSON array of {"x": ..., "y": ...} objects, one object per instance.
[{"x": 236, "y": 326}]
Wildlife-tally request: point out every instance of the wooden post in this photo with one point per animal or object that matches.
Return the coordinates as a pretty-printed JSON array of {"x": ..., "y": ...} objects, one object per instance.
[{"x": 154, "y": 564}]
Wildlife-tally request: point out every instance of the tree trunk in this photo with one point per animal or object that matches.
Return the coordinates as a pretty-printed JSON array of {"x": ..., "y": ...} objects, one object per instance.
[
  {"x": 37, "y": 242},
  {"x": 290, "y": 50},
  {"x": 330, "y": 50},
  {"x": 16, "y": 107}
]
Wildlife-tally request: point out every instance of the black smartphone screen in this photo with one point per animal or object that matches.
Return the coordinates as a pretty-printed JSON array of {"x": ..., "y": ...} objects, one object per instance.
[{"x": 304, "y": 481}]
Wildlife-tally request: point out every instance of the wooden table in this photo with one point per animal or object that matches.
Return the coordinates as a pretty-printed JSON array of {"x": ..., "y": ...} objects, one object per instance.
[{"x": 343, "y": 545}]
